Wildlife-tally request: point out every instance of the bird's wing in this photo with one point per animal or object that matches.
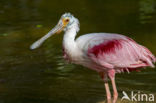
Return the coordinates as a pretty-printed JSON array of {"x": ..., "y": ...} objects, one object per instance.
[{"x": 115, "y": 51}]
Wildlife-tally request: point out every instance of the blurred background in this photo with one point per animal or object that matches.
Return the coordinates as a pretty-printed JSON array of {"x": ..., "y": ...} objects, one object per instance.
[{"x": 42, "y": 75}]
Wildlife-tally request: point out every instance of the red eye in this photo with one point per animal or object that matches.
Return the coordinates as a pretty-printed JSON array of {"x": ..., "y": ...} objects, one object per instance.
[{"x": 67, "y": 20}]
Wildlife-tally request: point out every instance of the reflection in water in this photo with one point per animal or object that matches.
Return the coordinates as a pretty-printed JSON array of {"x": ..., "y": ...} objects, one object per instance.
[
  {"x": 42, "y": 75},
  {"x": 147, "y": 11}
]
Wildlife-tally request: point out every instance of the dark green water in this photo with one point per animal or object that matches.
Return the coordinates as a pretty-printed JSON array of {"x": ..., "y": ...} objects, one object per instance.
[{"x": 42, "y": 75}]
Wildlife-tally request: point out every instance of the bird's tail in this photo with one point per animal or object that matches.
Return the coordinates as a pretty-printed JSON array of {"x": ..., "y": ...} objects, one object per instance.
[{"x": 148, "y": 56}]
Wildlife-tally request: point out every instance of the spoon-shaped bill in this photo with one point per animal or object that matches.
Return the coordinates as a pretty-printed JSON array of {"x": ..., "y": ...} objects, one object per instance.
[{"x": 50, "y": 33}]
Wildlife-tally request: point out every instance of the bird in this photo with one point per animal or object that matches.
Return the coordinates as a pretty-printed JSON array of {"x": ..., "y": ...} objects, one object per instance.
[{"x": 105, "y": 53}]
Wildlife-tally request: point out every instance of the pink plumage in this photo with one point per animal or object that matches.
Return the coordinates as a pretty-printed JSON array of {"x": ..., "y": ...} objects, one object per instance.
[
  {"x": 117, "y": 52},
  {"x": 105, "y": 53},
  {"x": 108, "y": 47},
  {"x": 109, "y": 54}
]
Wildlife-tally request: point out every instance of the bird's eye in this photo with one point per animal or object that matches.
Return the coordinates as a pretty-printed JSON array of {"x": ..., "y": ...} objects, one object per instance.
[{"x": 67, "y": 20}]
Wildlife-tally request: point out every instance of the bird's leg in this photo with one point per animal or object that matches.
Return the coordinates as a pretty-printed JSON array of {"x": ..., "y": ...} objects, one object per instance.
[
  {"x": 105, "y": 78},
  {"x": 111, "y": 75},
  {"x": 115, "y": 92},
  {"x": 108, "y": 92}
]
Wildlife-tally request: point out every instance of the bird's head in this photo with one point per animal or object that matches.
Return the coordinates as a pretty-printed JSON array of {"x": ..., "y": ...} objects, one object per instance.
[
  {"x": 66, "y": 22},
  {"x": 69, "y": 21}
]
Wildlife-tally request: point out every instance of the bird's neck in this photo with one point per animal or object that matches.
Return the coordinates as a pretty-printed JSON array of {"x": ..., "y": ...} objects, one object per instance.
[
  {"x": 69, "y": 39},
  {"x": 69, "y": 43}
]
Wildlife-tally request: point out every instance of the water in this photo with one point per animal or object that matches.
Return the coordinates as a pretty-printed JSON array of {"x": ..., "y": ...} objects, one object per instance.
[{"x": 42, "y": 76}]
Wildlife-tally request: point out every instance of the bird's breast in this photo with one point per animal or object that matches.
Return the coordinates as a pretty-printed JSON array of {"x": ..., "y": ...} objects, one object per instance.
[{"x": 72, "y": 55}]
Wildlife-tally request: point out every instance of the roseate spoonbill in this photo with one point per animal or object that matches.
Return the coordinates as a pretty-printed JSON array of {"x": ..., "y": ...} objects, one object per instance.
[{"x": 106, "y": 53}]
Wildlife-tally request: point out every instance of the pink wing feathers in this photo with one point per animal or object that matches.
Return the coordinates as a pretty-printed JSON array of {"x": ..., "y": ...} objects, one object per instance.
[{"x": 117, "y": 51}]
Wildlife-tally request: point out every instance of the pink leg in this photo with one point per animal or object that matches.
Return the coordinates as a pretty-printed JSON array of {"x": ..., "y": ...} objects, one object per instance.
[
  {"x": 111, "y": 75},
  {"x": 108, "y": 94}
]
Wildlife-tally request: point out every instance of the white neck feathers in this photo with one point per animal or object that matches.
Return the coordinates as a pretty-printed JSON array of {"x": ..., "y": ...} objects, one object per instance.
[{"x": 69, "y": 43}]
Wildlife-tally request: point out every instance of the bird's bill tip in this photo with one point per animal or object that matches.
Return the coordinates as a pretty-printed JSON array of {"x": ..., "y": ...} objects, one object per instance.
[{"x": 34, "y": 45}]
